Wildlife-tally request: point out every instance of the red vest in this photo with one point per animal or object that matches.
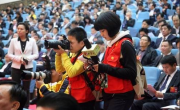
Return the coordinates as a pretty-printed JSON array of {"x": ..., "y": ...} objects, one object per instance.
[
  {"x": 79, "y": 89},
  {"x": 112, "y": 57}
]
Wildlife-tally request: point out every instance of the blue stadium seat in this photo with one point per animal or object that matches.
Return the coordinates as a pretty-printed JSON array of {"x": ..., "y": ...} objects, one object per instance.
[
  {"x": 143, "y": 15},
  {"x": 32, "y": 83},
  {"x": 170, "y": 12},
  {"x": 153, "y": 39},
  {"x": 138, "y": 24},
  {"x": 5, "y": 31},
  {"x": 174, "y": 51},
  {"x": 3, "y": 60},
  {"x": 25, "y": 16},
  {"x": 131, "y": 7},
  {"x": 76, "y": 4},
  {"x": 43, "y": 50},
  {"x": 133, "y": 31},
  {"x": 136, "y": 42},
  {"x": 7, "y": 24},
  {"x": 69, "y": 14},
  {"x": 152, "y": 74},
  {"x": 5, "y": 50},
  {"x": 158, "y": 52},
  {"x": 88, "y": 28},
  {"x": 5, "y": 42},
  {"x": 133, "y": 14}
]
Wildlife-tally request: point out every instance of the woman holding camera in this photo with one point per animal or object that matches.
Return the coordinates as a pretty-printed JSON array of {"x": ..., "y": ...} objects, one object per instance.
[
  {"x": 119, "y": 63},
  {"x": 22, "y": 51}
]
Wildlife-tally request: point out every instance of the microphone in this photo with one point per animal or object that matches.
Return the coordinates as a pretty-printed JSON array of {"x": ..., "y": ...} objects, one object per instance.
[{"x": 90, "y": 50}]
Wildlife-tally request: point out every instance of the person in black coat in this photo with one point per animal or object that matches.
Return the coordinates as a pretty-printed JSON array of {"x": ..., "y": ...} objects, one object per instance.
[
  {"x": 6, "y": 69},
  {"x": 128, "y": 21},
  {"x": 166, "y": 32},
  {"x": 146, "y": 53},
  {"x": 152, "y": 13},
  {"x": 166, "y": 47},
  {"x": 19, "y": 17}
]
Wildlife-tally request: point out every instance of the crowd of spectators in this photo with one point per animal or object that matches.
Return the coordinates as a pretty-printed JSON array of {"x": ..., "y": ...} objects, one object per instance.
[{"x": 154, "y": 26}]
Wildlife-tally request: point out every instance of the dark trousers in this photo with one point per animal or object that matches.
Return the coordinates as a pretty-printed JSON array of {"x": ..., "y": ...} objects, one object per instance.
[
  {"x": 119, "y": 102},
  {"x": 16, "y": 76},
  {"x": 148, "y": 104},
  {"x": 87, "y": 105}
]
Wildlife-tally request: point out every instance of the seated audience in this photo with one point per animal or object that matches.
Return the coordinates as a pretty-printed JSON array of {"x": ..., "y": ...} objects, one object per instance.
[
  {"x": 128, "y": 21},
  {"x": 95, "y": 36},
  {"x": 6, "y": 69},
  {"x": 146, "y": 54},
  {"x": 166, "y": 48},
  {"x": 166, "y": 32},
  {"x": 163, "y": 94}
]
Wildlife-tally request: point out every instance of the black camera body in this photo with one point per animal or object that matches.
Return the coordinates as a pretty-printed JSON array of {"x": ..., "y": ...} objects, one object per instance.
[
  {"x": 65, "y": 44},
  {"x": 46, "y": 74}
]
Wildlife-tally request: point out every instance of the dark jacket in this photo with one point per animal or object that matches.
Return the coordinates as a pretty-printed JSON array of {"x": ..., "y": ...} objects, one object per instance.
[
  {"x": 128, "y": 23},
  {"x": 149, "y": 57},
  {"x": 158, "y": 60},
  {"x": 7, "y": 70},
  {"x": 170, "y": 38},
  {"x": 175, "y": 82}
]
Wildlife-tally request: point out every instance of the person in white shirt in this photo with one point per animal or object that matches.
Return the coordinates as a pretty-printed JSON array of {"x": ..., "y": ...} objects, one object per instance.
[{"x": 176, "y": 22}]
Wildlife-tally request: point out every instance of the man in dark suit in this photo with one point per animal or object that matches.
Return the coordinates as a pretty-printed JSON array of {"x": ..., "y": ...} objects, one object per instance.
[
  {"x": 128, "y": 21},
  {"x": 95, "y": 36},
  {"x": 166, "y": 47},
  {"x": 166, "y": 35},
  {"x": 159, "y": 17},
  {"x": 10, "y": 34},
  {"x": 140, "y": 9},
  {"x": 146, "y": 53},
  {"x": 6, "y": 69},
  {"x": 152, "y": 13},
  {"x": 164, "y": 94}
]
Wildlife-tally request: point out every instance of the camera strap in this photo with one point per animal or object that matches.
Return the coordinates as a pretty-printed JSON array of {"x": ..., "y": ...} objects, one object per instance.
[{"x": 88, "y": 81}]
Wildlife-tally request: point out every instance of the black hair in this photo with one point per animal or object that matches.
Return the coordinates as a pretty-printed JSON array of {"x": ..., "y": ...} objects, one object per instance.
[
  {"x": 144, "y": 30},
  {"x": 59, "y": 101},
  {"x": 164, "y": 21},
  {"x": 169, "y": 59},
  {"x": 64, "y": 36},
  {"x": 154, "y": 5},
  {"x": 168, "y": 41},
  {"x": 16, "y": 92},
  {"x": 56, "y": 28},
  {"x": 87, "y": 17},
  {"x": 67, "y": 18},
  {"x": 50, "y": 23},
  {"x": 177, "y": 41},
  {"x": 18, "y": 13},
  {"x": 78, "y": 33},
  {"x": 110, "y": 21},
  {"x": 147, "y": 21},
  {"x": 167, "y": 25},
  {"x": 160, "y": 14},
  {"x": 74, "y": 22},
  {"x": 25, "y": 26},
  {"x": 149, "y": 39}
]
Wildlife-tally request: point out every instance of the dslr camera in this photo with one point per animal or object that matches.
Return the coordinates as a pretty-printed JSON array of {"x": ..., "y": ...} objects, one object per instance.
[
  {"x": 46, "y": 74},
  {"x": 65, "y": 44}
]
